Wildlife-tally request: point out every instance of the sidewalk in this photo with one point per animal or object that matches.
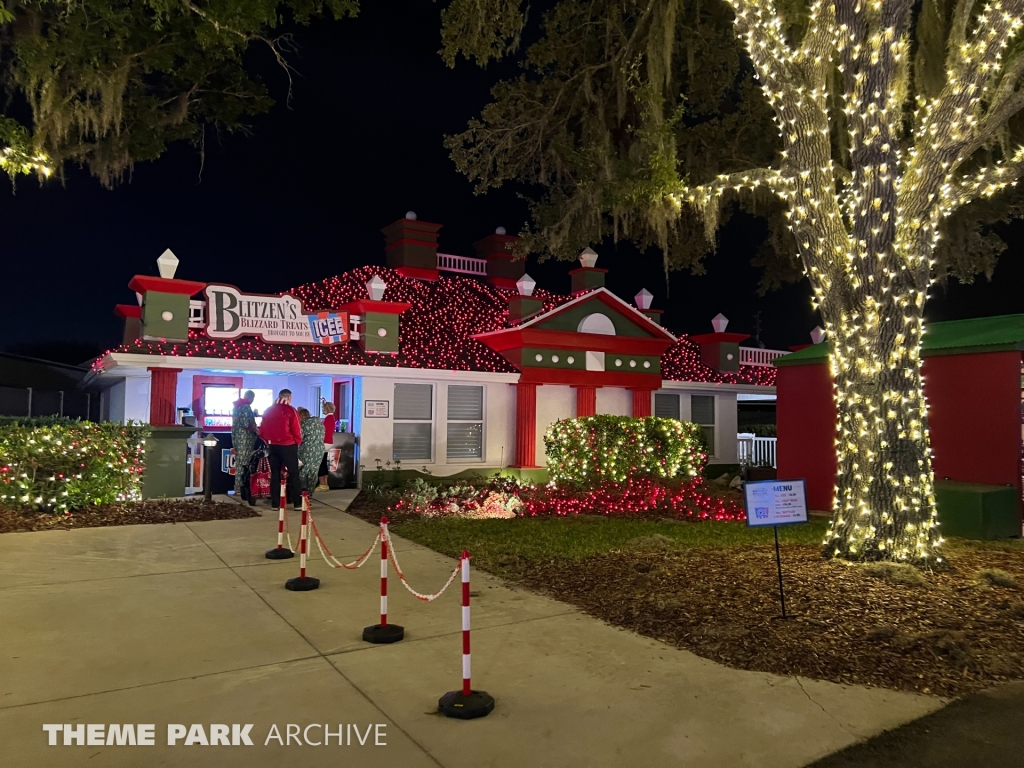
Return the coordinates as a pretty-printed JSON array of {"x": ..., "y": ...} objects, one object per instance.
[
  {"x": 189, "y": 623},
  {"x": 979, "y": 731}
]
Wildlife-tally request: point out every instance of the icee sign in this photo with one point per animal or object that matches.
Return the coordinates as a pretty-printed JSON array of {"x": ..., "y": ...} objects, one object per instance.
[
  {"x": 275, "y": 319},
  {"x": 775, "y": 502}
]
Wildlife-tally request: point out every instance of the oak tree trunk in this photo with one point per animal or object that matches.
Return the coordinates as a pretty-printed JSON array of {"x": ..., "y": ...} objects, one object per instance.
[{"x": 884, "y": 504}]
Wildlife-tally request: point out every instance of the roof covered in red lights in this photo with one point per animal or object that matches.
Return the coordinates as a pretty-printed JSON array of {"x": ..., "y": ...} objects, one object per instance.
[{"x": 435, "y": 333}]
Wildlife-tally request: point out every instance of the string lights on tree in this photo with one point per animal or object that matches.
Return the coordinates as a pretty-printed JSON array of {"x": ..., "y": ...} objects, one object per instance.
[{"x": 866, "y": 221}]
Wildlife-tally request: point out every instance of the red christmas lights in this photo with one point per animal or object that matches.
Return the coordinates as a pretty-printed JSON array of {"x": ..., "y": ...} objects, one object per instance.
[
  {"x": 686, "y": 500},
  {"x": 435, "y": 332},
  {"x": 636, "y": 495}
]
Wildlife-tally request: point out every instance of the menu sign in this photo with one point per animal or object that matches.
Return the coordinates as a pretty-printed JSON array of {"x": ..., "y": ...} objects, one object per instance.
[
  {"x": 276, "y": 319},
  {"x": 376, "y": 409},
  {"x": 775, "y": 502}
]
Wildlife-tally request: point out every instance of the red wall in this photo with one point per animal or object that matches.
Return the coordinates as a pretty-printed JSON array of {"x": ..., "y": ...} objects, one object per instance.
[
  {"x": 806, "y": 419},
  {"x": 974, "y": 416}
]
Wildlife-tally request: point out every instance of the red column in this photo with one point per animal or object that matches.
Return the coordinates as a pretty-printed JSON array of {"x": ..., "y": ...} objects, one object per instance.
[
  {"x": 163, "y": 386},
  {"x": 641, "y": 403},
  {"x": 586, "y": 401},
  {"x": 526, "y": 425}
]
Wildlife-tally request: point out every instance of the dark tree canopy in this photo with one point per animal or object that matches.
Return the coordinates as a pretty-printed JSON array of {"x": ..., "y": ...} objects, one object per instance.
[
  {"x": 623, "y": 103},
  {"x": 107, "y": 83}
]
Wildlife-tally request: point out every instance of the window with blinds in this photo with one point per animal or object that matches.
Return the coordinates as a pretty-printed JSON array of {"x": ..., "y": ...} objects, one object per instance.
[
  {"x": 465, "y": 422},
  {"x": 412, "y": 438},
  {"x": 666, "y": 406},
  {"x": 702, "y": 413}
]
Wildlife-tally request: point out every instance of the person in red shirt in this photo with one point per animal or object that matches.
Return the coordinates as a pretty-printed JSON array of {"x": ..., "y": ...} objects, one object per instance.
[
  {"x": 330, "y": 424},
  {"x": 281, "y": 432}
]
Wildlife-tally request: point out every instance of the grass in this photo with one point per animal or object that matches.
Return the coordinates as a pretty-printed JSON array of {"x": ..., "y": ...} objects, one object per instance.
[{"x": 537, "y": 539}]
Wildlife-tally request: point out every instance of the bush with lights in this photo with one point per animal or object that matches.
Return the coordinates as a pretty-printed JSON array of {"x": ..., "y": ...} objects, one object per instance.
[
  {"x": 495, "y": 498},
  {"x": 64, "y": 465},
  {"x": 600, "y": 449}
]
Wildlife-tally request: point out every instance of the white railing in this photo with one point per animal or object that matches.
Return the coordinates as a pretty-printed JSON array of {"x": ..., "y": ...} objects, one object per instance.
[
  {"x": 462, "y": 264},
  {"x": 755, "y": 451},
  {"x": 196, "y": 313},
  {"x": 761, "y": 357}
]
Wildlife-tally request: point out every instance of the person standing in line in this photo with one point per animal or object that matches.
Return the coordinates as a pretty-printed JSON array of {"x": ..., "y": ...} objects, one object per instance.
[
  {"x": 330, "y": 424},
  {"x": 243, "y": 440},
  {"x": 312, "y": 449},
  {"x": 281, "y": 431}
]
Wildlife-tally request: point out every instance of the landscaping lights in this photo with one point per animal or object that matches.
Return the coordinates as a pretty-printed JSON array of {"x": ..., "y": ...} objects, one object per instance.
[
  {"x": 599, "y": 449},
  {"x": 61, "y": 466}
]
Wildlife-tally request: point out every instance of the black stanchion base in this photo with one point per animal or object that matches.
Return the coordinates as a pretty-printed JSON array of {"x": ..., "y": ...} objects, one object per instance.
[
  {"x": 302, "y": 584},
  {"x": 455, "y": 704},
  {"x": 392, "y": 633},
  {"x": 279, "y": 554}
]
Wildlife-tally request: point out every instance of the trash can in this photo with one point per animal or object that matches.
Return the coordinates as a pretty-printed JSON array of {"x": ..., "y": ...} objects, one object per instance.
[
  {"x": 166, "y": 461},
  {"x": 976, "y": 511},
  {"x": 342, "y": 461}
]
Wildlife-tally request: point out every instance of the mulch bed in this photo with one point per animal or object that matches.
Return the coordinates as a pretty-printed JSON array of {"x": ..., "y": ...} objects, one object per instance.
[
  {"x": 149, "y": 511},
  {"x": 950, "y": 637}
]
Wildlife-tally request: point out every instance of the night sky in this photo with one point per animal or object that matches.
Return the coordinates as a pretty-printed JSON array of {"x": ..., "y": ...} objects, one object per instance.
[{"x": 305, "y": 196}]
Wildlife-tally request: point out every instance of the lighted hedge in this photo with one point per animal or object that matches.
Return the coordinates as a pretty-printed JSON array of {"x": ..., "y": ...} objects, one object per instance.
[
  {"x": 598, "y": 449},
  {"x": 62, "y": 466}
]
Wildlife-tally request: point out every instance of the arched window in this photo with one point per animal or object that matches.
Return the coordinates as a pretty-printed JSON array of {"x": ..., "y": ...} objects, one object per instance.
[{"x": 597, "y": 323}]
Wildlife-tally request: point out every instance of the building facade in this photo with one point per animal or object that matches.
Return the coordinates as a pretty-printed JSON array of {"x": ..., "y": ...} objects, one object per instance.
[{"x": 439, "y": 362}]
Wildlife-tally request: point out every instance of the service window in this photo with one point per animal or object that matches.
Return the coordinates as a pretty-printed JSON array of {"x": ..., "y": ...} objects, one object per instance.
[
  {"x": 465, "y": 423},
  {"x": 413, "y": 422},
  {"x": 702, "y": 413},
  {"x": 218, "y": 403},
  {"x": 666, "y": 406}
]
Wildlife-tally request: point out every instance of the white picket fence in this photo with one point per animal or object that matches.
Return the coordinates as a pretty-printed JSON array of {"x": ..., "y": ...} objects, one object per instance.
[
  {"x": 462, "y": 264},
  {"x": 755, "y": 451},
  {"x": 759, "y": 357}
]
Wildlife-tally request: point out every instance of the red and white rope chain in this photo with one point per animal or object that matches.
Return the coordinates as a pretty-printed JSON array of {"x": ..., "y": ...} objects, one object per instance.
[
  {"x": 401, "y": 576},
  {"x": 330, "y": 559}
]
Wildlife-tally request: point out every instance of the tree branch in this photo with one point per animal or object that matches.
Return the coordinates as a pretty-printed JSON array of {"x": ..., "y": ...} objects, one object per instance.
[{"x": 988, "y": 181}]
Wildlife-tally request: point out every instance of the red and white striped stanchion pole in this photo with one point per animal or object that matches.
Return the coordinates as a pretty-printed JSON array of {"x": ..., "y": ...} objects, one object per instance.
[
  {"x": 281, "y": 552},
  {"x": 466, "y": 704},
  {"x": 383, "y": 632},
  {"x": 303, "y": 583}
]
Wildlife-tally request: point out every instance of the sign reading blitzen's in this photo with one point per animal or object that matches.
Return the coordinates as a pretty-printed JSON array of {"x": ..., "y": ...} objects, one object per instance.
[{"x": 275, "y": 319}]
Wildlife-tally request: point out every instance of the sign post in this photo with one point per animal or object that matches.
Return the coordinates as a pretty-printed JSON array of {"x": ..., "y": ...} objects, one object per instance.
[{"x": 775, "y": 503}]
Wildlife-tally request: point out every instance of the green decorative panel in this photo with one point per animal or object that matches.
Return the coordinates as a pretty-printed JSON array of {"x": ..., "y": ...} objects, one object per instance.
[
  {"x": 632, "y": 363},
  {"x": 165, "y": 315},
  {"x": 587, "y": 280},
  {"x": 721, "y": 355},
  {"x": 522, "y": 307},
  {"x": 553, "y": 358},
  {"x": 570, "y": 319},
  {"x": 380, "y": 332}
]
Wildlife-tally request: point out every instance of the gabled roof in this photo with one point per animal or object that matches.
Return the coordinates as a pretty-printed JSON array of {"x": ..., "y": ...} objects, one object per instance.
[
  {"x": 950, "y": 337},
  {"x": 602, "y": 295},
  {"x": 982, "y": 334},
  {"x": 436, "y": 331}
]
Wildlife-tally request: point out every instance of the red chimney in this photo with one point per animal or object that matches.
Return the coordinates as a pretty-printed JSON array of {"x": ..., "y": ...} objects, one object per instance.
[
  {"x": 503, "y": 268},
  {"x": 411, "y": 247}
]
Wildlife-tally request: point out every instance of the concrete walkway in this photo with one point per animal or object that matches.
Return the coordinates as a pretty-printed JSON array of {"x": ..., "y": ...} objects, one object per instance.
[{"x": 188, "y": 623}]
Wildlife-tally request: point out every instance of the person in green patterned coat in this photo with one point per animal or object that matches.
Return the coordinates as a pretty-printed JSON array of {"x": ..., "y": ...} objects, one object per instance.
[
  {"x": 243, "y": 439},
  {"x": 311, "y": 451}
]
